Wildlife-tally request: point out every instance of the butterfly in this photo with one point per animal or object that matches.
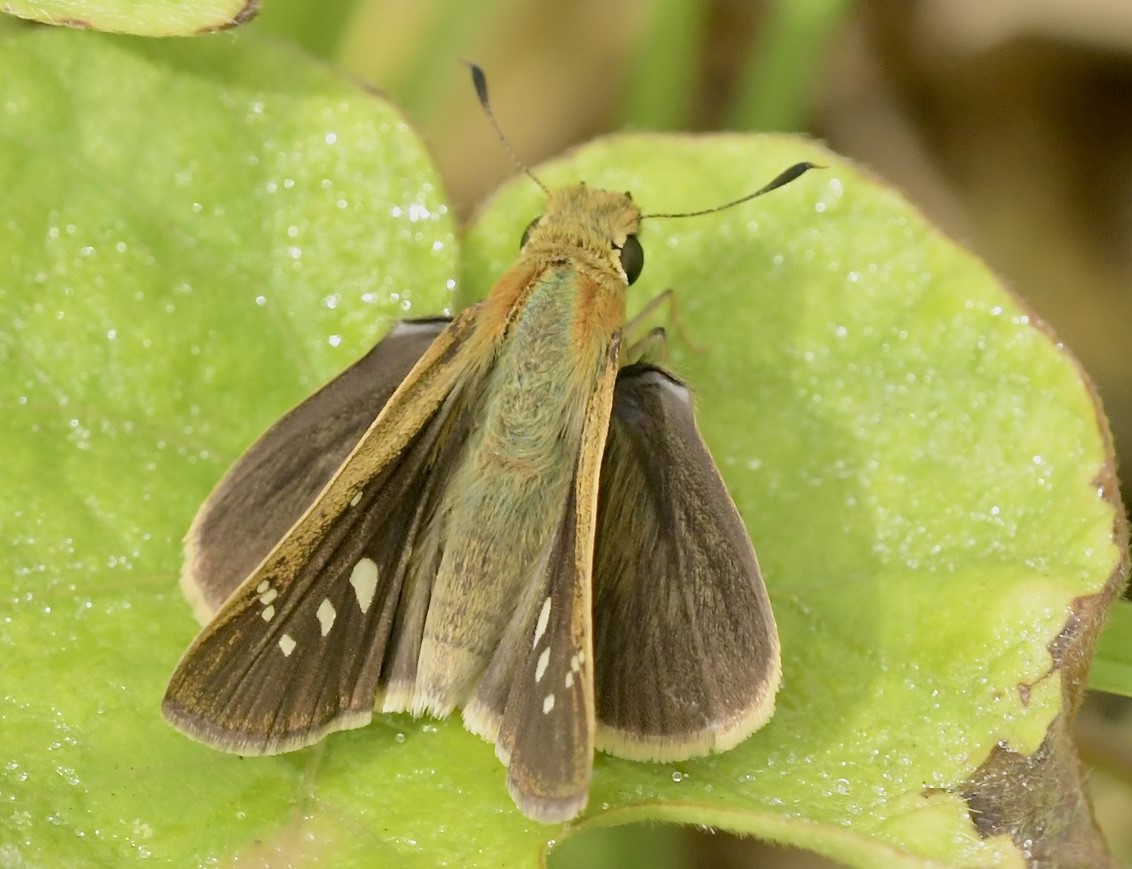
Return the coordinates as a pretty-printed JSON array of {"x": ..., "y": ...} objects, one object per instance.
[{"x": 503, "y": 512}]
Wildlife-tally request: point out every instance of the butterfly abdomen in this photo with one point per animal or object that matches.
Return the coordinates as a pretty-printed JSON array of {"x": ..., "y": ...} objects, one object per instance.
[{"x": 507, "y": 492}]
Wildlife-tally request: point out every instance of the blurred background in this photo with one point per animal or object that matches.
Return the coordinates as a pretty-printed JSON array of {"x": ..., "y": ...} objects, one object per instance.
[{"x": 1009, "y": 122}]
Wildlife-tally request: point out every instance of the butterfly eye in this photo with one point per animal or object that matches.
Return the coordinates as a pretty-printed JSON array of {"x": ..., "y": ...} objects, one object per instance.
[
  {"x": 527, "y": 232},
  {"x": 632, "y": 258}
]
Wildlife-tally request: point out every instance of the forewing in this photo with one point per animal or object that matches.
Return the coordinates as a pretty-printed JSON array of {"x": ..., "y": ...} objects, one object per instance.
[
  {"x": 298, "y": 650},
  {"x": 546, "y": 734},
  {"x": 686, "y": 649},
  {"x": 273, "y": 483}
]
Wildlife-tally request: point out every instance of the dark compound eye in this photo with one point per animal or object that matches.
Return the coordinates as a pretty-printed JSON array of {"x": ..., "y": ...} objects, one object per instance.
[
  {"x": 527, "y": 232},
  {"x": 632, "y": 258}
]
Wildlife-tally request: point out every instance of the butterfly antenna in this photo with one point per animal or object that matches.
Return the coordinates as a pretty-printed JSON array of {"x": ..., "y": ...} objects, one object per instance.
[
  {"x": 782, "y": 179},
  {"x": 480, "y": 82}
]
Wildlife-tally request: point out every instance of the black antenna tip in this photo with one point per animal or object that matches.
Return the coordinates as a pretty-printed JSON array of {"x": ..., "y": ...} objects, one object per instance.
[
  {"x": 479, "y": 80},
  {"x": 780, "y": 180},
  {"x": 795, "y": 171}
]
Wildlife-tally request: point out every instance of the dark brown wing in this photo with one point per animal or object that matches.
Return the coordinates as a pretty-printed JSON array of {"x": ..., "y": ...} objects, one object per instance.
[
  {"x": 301, "y": 647},
  {"x": 278, "y": 478},
  {"x": 686, "y": 649},
  {"x": 546, "y": 734}
]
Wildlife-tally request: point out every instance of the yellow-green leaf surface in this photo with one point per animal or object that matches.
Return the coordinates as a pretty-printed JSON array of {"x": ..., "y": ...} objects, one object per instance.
[
  {"x": 196, "y": 235},
  {"x": 929, "y": 489},
  {"x": 163, "y": 18}
]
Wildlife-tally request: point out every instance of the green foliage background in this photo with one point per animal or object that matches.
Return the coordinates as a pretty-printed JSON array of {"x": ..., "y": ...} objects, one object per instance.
[{"x": 199, "y": 233}]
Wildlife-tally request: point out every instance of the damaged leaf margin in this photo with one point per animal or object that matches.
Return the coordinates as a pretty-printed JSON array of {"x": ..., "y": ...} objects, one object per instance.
[{"x": 1040, "y": 799}]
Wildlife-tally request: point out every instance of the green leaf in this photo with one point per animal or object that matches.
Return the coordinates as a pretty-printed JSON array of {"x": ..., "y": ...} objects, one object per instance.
[
  {"x": 1112, "y": 669},
  {"x": 917, "y": 460},
  {"x": 197, "y": 234},
  {"x": 169, "y": 18}
]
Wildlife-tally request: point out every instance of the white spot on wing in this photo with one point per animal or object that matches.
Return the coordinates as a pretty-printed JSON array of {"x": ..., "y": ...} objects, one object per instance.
[
  {"x": 576, "y": 662},
  {"x": 547, "y": 704},
  {"x": 262, "y": 587},
  {"x": 543, "y": 618},
  {"x": 287, "y": 645},
  {"x": 268, "y": 596},
  {"x": 268, "y": 613},
  {"x": 364, "y": 580},
  {"x": 356, "y": 499},
  {"x": 326, "y": 616},
  {"x": 540, "y": 668},
  {"x": 569, "y": 679}
]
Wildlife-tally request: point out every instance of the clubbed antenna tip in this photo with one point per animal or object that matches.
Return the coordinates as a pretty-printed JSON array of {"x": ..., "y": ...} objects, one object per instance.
[
  {"x": 780, "y": 180},
  {"x": 479, "y": 81}
]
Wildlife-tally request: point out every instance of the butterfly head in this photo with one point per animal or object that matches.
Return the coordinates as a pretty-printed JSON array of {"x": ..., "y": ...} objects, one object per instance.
[{"x": 600, "y": 223}]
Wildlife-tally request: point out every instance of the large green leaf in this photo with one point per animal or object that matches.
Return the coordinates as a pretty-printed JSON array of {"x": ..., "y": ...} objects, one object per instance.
[
  {"x": 196, "y": 235},
  {"x": 931, "y": 495}
]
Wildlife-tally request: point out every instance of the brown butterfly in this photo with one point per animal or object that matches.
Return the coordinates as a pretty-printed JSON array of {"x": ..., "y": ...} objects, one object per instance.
[{"x": 501, "y": 512}]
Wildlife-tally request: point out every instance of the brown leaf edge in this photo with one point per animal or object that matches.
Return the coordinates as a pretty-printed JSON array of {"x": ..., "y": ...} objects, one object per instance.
[
  {"x": 1040, "y": 800},
  {"x": 250, "y": 11},
  {"x": 246, "y": 14}
]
